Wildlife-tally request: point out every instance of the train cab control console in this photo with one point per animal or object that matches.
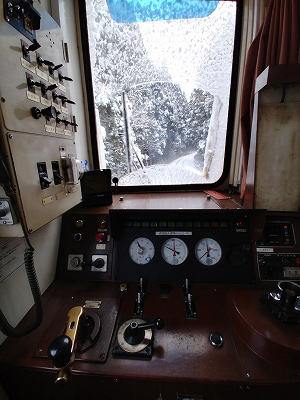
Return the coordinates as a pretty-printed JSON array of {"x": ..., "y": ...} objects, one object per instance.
[{"x": 153, "y": 300}]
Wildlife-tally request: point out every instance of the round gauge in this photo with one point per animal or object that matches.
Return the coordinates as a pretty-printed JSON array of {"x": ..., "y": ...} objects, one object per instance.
[
  {"x": 141, "y": 250},
  {"x": 208, "y": 251},
  {"x": 174, "y": 251}
]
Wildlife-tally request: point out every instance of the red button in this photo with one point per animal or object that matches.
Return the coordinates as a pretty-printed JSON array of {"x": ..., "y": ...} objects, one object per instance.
[{"x": 99, "y": 237}]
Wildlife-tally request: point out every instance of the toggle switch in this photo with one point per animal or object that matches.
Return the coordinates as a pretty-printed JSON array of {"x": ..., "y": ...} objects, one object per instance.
[
  {"x": 31, "y": 83},
  {"x": 45, "y": 182},
  {"x": 45, "y": 88},
  {"x": 62, "y": 77},
  {"x": 54, "y": 68},
  {"x": 64, "y": 99},
  {"x": 56, "y": 174},
  {"x": 41, "y": 61},
  {"x": 34, "y": 46}
]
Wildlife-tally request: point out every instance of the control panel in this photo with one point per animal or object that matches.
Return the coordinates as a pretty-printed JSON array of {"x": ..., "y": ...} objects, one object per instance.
[
  {"x": 38, "y": 117},
  {"x": 278, "y": 251},
  {"x": 164, "y": 246},
  {"x": 86, "y": 247},
  {"x": 171, "y": 246}
]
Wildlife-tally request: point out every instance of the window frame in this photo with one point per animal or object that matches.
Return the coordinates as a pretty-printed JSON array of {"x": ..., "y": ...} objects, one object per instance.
[{"x": 233, "y": 108}]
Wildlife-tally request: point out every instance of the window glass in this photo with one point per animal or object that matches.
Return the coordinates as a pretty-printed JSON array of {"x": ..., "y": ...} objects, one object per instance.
[{"x": 162, "y": 91}]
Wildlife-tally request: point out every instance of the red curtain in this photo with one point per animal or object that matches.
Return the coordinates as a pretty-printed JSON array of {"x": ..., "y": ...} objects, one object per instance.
[{"x": 277, "y": 42}]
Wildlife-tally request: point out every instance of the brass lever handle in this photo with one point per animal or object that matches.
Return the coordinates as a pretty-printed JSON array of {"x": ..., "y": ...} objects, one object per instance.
[{"x": 62, "y": 350}]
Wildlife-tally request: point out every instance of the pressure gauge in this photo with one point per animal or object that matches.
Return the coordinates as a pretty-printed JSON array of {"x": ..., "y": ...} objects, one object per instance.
[
  {"x": 141, "y": 250},
  {"x": 174, "y": 251},
  {"x": 208, "y": 251}
]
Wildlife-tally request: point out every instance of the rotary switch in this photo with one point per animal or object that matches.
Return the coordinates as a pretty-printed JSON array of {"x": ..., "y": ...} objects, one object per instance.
[{"x": 49, "y": 112}]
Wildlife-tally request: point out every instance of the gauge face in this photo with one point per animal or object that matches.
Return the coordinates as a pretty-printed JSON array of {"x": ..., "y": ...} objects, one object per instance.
[
  {"x": 174, "y": 251},
  {"x": 141, "y": 250},
  {"x": 208, "y": 251}
]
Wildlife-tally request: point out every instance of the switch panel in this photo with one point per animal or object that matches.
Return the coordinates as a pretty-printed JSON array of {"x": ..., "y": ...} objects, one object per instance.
[{"x": 36, "y": 115}]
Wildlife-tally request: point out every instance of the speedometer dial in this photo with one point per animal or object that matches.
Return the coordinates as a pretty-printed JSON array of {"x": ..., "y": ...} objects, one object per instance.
[
  {"x": 208, "y": 251},
  {"x": 141, "y": 250},
  {"x": 174, "y": 251}
]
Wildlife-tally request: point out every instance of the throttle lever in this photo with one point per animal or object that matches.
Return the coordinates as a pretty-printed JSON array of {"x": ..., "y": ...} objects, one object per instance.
[{"x": 62, "y": 349}]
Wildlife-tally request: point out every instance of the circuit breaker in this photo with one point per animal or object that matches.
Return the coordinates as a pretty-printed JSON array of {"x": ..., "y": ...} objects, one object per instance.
[{"x": 38, "y": 118}]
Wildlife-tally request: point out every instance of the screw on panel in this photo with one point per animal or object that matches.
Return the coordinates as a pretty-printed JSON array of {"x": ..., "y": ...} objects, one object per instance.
[
  {"x": 10, "y": 136},
  {"x": 3, "y": 99}
]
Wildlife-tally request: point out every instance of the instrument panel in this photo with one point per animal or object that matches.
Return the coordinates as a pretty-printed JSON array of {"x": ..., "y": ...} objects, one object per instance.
[{"x": 170, "y": 246}]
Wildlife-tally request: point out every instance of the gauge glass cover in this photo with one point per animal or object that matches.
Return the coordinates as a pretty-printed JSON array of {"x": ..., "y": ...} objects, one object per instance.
[
  {"x": 208, "y": 251},
  {"x": 141, "y": 250},
  {"x": 174, "y": 251}
]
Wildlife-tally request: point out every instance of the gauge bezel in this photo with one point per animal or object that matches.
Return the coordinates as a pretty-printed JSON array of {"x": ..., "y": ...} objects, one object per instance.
[
  {"x": 166, "y": 258},
  {"x": 137, "y": 260},
  {"x": 201, "y": 259}
]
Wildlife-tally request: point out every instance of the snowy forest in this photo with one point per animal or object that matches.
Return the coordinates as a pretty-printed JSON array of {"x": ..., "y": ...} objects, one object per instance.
[{"x": 147, "y": 118}]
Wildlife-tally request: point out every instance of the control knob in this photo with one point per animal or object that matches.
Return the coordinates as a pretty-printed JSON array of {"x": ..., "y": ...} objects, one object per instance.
[
  {"x": 66, "y": 78},
  {"x": 98, "y": 263},
  {"x": 45, "y": 88},
  {"x": 41, "y": 61},
  {"x": 135, "y": 333},
  {"x": 49, "y": 112},
  {"x": 34, "y": 46},
  {"x": 54, "y": 68}
]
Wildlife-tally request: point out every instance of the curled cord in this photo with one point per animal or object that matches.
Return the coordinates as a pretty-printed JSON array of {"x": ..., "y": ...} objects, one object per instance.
[{"x": 5, "y": 326}]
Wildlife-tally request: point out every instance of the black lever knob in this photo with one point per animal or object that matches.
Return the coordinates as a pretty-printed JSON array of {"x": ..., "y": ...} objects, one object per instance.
[
  {"x": 64, "y": 99},
  {"x": 31, "y": 83},
  {"x": 62, "y": 77},
  {"x": 34, "y": 46},
  {"x": 57, "y": 177},
  {"x": 50, "y": 87},
  {"x": 49, "y": 112},
  {"x": 98, "y": 263},
  {"x": 135, "y": 332},
  {"x": 54, "y": 68},
  {"x": 41, "y": 61},
  {"x": 60, "y": 351}
]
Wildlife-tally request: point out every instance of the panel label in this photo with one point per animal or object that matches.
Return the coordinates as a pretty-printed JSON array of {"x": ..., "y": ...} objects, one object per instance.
[
  {"x": 173, "y": 233},
  {"x": 11, "y": 252}
]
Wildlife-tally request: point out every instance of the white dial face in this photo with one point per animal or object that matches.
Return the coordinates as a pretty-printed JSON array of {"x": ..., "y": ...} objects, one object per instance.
[
  {"x": 174, "y": 251},
  {"x": 208, "y": 251},
  {"x": 141, "y": 250}
]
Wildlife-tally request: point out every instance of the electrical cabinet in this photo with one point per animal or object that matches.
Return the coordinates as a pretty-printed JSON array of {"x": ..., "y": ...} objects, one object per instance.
[{"x": 37, "y": 118}]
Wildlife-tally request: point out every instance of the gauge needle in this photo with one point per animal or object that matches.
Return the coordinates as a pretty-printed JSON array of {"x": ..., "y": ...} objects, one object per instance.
[
  {"x": 208, "y": 248},
  {"x": 203, "y": 255},
  {"x": 141, "y": 249},
  {"x": 174, "y": 251},
  {"x": 207, "y": 252}
]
